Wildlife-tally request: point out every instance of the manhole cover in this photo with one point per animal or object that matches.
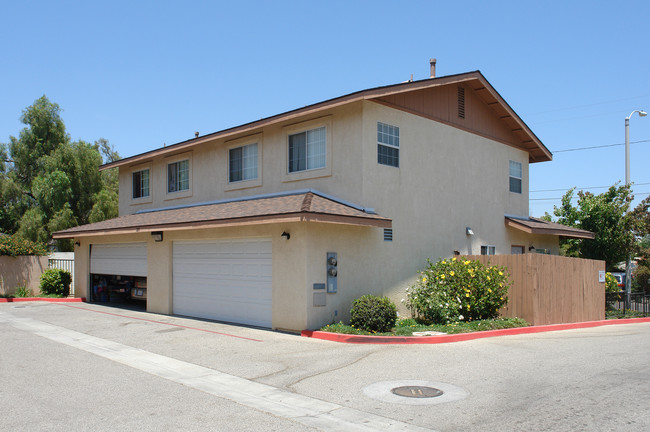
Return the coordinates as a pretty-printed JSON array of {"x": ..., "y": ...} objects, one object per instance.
[{"x": 417, "y": 391}]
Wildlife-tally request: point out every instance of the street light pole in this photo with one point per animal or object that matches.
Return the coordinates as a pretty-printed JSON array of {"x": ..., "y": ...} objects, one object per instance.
[{"x": 628, "y": 261}]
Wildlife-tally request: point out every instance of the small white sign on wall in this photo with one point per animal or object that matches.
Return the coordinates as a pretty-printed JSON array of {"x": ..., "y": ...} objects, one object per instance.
[{"x": 601, "y": 275}]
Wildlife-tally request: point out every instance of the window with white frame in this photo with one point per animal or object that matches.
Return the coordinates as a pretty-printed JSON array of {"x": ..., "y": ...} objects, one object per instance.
[
  {"x": 178, "y": 176},
  {"x": 515, "y": 177},
  {"x": 387, "y": 144},
  {"x": 243, "y": 163},
  {"x": 141, "y": 184},
  {"x": 307, "y": 150},
  {"x": 488, "y": 250}
]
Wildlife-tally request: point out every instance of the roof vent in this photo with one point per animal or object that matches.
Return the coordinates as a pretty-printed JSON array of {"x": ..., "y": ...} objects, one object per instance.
[
  {"x": 432, "y": 65},
  {"x": 461, "y": 102},
  {"x": 196, "y": 134}
]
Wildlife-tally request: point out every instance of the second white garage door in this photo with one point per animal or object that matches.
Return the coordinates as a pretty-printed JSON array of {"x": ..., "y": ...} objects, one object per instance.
[{"x": 225, "y": 280}]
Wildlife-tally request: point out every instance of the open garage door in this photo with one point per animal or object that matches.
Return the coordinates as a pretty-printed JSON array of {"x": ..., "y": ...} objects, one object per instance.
[
  {"x": 224, "y": 280},
  {"x": 118, "y": 273},
  {"x": 128, "y": 259}
]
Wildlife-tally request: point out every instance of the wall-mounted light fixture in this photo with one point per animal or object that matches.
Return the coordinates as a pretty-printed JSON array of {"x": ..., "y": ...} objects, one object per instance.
[
  {"x": 531, "y": 248},
  {"x": 77, "y": 243},
  {"x": 468, "y": 231},
  {"x": 157, "y": 236},
  {"x": 286, "y": 234}
]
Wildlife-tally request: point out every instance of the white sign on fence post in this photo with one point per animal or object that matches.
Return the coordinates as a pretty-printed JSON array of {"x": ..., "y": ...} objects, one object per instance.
[{"x": 601, "y": 275}]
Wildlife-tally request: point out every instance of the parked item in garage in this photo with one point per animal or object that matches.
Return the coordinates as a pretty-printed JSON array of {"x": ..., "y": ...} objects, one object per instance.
[{"x": 118, "y": 289}]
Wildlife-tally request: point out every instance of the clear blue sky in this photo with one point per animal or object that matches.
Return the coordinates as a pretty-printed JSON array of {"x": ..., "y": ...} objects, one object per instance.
[{"x": 144, "y": 73}]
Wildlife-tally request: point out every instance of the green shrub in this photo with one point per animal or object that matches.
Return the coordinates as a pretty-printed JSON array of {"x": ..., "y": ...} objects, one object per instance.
[
  {"x": 373, "y": 313},
  {"x": 15, "y": 246},
  {"x": 611, "y": 284},
  {"x": 55, "y": 281},
  {"x": 641, "y": 279},
  {"x": 23, "y": 291},
  {"x": 458, "y": 290}
]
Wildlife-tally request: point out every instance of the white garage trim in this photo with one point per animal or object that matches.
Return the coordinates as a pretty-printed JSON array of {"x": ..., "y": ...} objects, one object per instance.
[
  {"x": 224, "y": 280},
  {"x": 124, "y": 259}
]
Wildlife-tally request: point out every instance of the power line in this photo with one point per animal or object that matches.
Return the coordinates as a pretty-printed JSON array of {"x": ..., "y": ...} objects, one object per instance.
[
  {"x": 584, "y": 188},
  {"x": 589, "y": 105},
  {"x": 597, "y": 147},
  {"x": 575, "y": 197}
]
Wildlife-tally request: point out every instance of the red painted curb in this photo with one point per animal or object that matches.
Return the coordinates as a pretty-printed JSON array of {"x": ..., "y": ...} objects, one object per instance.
[
  {"x": 448, "y": 338},
  {"x": 45, "y": 299}
]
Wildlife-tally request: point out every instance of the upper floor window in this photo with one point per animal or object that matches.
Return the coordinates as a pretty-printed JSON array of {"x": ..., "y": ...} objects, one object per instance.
[
  {"x": 178, "y": 176},
  {"x": 515, "y": 177},
  {"x": 307, "y": 150},
  {"x": 141, "y": 184},
  {"x": 387, "y": 144},
  {"x": 243, "y": 163},
  {"x": 488, "y": 250}
]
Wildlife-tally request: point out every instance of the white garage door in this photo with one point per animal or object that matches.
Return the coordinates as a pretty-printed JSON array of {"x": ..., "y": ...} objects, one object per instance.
[
  {"x": 225, "y": 280},
  {"x": 124, "y": 259}
]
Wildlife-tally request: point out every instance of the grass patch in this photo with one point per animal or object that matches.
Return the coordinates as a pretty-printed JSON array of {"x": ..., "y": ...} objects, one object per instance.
[
  {"x": 619, "y": 314},
  {"x": 406, "y": 327},
  {"x": 41, "y": 295}
]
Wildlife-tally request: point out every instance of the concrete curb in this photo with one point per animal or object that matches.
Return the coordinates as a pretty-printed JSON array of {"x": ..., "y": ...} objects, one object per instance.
[
  {"x": 45, "y": 299},
  {"x": 448, "y": 338}
]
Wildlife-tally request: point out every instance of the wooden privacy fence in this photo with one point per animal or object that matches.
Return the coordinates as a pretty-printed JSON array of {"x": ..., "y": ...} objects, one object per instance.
[{"x": 549, "y": 289}]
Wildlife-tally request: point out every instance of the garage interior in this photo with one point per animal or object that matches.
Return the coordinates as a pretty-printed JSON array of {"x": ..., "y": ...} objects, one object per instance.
[
  {"x": 119, "y": 289},
  {"x": 118, "y": 274}
]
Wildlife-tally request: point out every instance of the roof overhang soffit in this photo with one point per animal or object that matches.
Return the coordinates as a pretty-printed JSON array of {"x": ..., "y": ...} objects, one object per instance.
[{"x": 555, "y": 231}]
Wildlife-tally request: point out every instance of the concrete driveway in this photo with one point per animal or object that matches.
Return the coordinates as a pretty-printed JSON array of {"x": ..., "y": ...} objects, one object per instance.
[{"x": 89, "y": 367}]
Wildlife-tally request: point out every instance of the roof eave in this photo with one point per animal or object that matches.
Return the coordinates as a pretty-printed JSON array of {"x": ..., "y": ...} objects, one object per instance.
[
  {"x": 568, "y": 233},
  {"x": 232, "y": 222}
]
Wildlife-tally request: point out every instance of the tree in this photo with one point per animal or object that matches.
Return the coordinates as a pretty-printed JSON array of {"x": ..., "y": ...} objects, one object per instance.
[
  {"x": 45, "y": 132},
  {"x": 641, "y": 274},
  {"x": 607, "y": 215},
  {"x": 105, "y": 207},
  {"x": 48, "y": 183},
  {"x": 110, "y": 176}
]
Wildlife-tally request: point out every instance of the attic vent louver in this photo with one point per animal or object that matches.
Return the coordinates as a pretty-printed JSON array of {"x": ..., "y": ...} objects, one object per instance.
[
  {"x": 388, "y": 234},
  {"x": 461, "y": 102}
]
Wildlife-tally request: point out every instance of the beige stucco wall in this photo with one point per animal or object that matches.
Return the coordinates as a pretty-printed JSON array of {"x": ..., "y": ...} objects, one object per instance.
[
  {"x": 21, "y": 271},
  {"x": 448, "y": 179},
  {"x": 209, "y": 165}
]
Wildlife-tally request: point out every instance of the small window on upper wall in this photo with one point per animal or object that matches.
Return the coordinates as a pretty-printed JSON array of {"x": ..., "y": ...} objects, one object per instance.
[
  {"x": 488, "y": 250},
  {"x": 515, "y": 177},
  {"x": 243, "y": 163},
  {"x": 387, "y": 144},
  {"x": 178, "y": 176},
  {"x": 141, "y": 184},
  {"x": 307, "y": 150}
]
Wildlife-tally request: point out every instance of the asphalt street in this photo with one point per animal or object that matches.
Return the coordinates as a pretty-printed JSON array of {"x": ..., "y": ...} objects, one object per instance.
[{"x": 85, "y": 367}]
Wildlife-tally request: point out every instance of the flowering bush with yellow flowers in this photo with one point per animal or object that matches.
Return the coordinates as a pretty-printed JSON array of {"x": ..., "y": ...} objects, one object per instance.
[{"x": 455, "y": 289}]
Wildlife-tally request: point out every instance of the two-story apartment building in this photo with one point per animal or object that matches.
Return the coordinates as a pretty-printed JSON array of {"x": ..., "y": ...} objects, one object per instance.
[{"x": 282, "y": 222}]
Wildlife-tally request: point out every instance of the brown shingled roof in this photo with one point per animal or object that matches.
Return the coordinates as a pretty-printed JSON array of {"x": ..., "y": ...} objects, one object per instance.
[
  {"x": 533, "y": 225},
  {"x": 299, "y": 207}
]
